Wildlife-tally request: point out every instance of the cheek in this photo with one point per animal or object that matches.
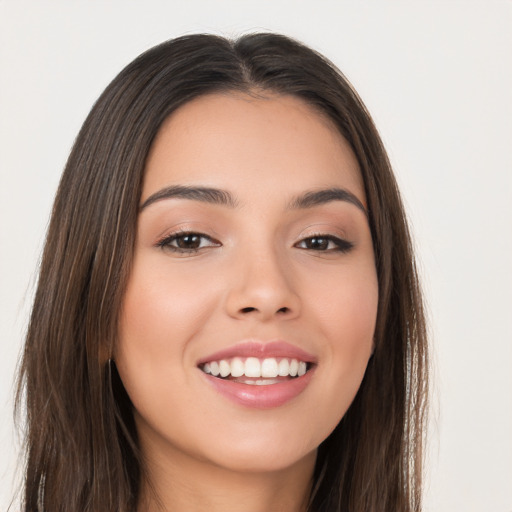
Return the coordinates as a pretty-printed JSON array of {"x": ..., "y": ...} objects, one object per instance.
[
  {"x": 161, "y": 315},
  {"x": 353, "y": 329},
  {"x": 345, "y": 305},
  {"x": 346, "y": 319},
  {"x": 162, "y": 306}
]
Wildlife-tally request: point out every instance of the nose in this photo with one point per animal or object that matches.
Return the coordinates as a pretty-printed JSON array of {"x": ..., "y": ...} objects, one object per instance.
[{"x": 263, "y": 288}]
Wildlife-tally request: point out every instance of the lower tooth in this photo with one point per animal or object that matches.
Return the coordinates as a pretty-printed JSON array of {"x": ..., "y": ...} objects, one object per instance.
[{"x": 260, "y": 382}]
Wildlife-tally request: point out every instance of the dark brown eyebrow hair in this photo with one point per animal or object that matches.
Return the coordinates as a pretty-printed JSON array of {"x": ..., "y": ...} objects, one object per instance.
[
  {"x": 204, "y": 194},
  {"x": 224, "y": 198},
  {"x": 322, "y": 196}
]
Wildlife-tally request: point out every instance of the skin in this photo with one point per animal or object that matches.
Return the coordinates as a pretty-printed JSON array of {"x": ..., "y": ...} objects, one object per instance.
[{"x": 256, "y": 276}]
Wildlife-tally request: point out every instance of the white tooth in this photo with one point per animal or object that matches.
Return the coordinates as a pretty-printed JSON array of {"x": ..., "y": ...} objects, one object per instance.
[
  {"x": 294, "y": 367},
  {"x": 252, "y": 367},
  {"x": 237, "y": 367},
  {"x": 214, "y": 368},
  {"x": 265, "y": 382},
  {"x": 261, "y": 382},
  {"x": 206, "y": 368},
  {"x": 284, "y": 368},
  {"x": 224, "y": 368},
  {"x": 302, "y": 369},
  {"x": 269, "y": 368}
]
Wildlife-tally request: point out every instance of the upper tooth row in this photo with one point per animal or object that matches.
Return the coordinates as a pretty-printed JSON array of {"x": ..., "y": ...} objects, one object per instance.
[{"x": 254, "y": 367}]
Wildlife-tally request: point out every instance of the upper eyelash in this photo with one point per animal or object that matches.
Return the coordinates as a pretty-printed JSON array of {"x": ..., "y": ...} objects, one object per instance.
[
  {"x": 165, "y": 242},
  {"x": 342, "y": 244}
]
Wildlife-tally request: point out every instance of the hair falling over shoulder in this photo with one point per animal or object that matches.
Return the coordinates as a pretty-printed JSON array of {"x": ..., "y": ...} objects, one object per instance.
[{"x": 82, "y": 451}]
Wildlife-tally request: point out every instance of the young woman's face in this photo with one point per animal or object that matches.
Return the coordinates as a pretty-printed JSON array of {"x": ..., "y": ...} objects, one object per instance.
[{"x": 254, "y": 259}]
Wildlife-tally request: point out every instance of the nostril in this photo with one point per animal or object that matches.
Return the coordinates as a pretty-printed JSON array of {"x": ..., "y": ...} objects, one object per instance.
[{"x": 250, "y": 309}]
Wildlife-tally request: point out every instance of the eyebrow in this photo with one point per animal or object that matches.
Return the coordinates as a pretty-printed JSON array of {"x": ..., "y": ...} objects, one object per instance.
[
  {"x": 204, "y": 194},
  {"x": 221, "y": 197},
  {"x": 323, "y": 196}
]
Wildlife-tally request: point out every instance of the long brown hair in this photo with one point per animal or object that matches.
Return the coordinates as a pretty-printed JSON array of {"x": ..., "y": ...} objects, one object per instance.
[{"x": 81, "y": 444}]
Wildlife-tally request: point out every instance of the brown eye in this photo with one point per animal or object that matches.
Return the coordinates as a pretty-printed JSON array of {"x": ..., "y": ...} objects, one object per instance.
[
  {"x": 324, "y": 243},
  {"x": 317, "y": 243},
  {"x": 187, "y": 242},
  {"x": 191, "y": 241}
]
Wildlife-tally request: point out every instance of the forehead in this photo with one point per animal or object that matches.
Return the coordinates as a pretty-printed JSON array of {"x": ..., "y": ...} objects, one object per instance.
[{"x": 257, "y": 143}]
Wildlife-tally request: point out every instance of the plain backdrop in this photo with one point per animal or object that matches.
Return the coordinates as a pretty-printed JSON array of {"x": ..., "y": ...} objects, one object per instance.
[{"x": 437, "y": 78}]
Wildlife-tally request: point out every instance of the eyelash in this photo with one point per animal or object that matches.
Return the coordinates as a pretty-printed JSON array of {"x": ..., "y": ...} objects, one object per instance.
[
  {"x": 165, "y": 243},
  {"x": 340, "y": 245}
]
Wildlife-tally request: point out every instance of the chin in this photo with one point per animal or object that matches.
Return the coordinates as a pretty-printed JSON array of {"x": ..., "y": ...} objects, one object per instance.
[{"x": 270, "y": 461}]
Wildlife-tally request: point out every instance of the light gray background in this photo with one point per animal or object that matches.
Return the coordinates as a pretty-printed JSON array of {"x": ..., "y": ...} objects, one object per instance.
[{"x": 437, "y": 78}]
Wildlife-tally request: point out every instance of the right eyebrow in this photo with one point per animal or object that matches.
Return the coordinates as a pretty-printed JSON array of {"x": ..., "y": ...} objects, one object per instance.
[
  {"x": 203, "y": 194},
  {"x": 314, "y": 198}
]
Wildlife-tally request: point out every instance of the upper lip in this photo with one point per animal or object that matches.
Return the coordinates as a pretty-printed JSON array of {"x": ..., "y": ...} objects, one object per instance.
[{"x": 261, "y": 350}]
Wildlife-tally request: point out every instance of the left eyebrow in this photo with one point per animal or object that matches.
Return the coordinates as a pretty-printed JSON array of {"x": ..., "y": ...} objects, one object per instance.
[
  {"x": 203, "y": 194},
  {"x": 318, "y": 197}
]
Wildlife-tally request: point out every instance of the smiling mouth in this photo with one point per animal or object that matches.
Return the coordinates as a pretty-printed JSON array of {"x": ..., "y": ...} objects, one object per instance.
[{"x": 255, "y": 371}]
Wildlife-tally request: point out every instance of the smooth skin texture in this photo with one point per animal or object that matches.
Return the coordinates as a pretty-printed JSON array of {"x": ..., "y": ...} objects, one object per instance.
[{"x": 253, "y": 271}]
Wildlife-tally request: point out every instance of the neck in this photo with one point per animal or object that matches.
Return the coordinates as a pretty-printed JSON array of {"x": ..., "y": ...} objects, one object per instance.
[{"x": 185, "y": 485}]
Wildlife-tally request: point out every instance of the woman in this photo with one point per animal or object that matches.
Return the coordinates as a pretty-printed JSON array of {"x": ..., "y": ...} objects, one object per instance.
[{"x": 228, "y": 314}]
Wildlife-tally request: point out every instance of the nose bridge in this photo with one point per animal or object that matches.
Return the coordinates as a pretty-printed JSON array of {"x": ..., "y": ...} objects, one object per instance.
[{"x": 263, "y": 285}]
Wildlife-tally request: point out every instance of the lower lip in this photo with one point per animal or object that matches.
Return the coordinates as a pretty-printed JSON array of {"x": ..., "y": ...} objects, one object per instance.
[{"x": 261, "y": 397}]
